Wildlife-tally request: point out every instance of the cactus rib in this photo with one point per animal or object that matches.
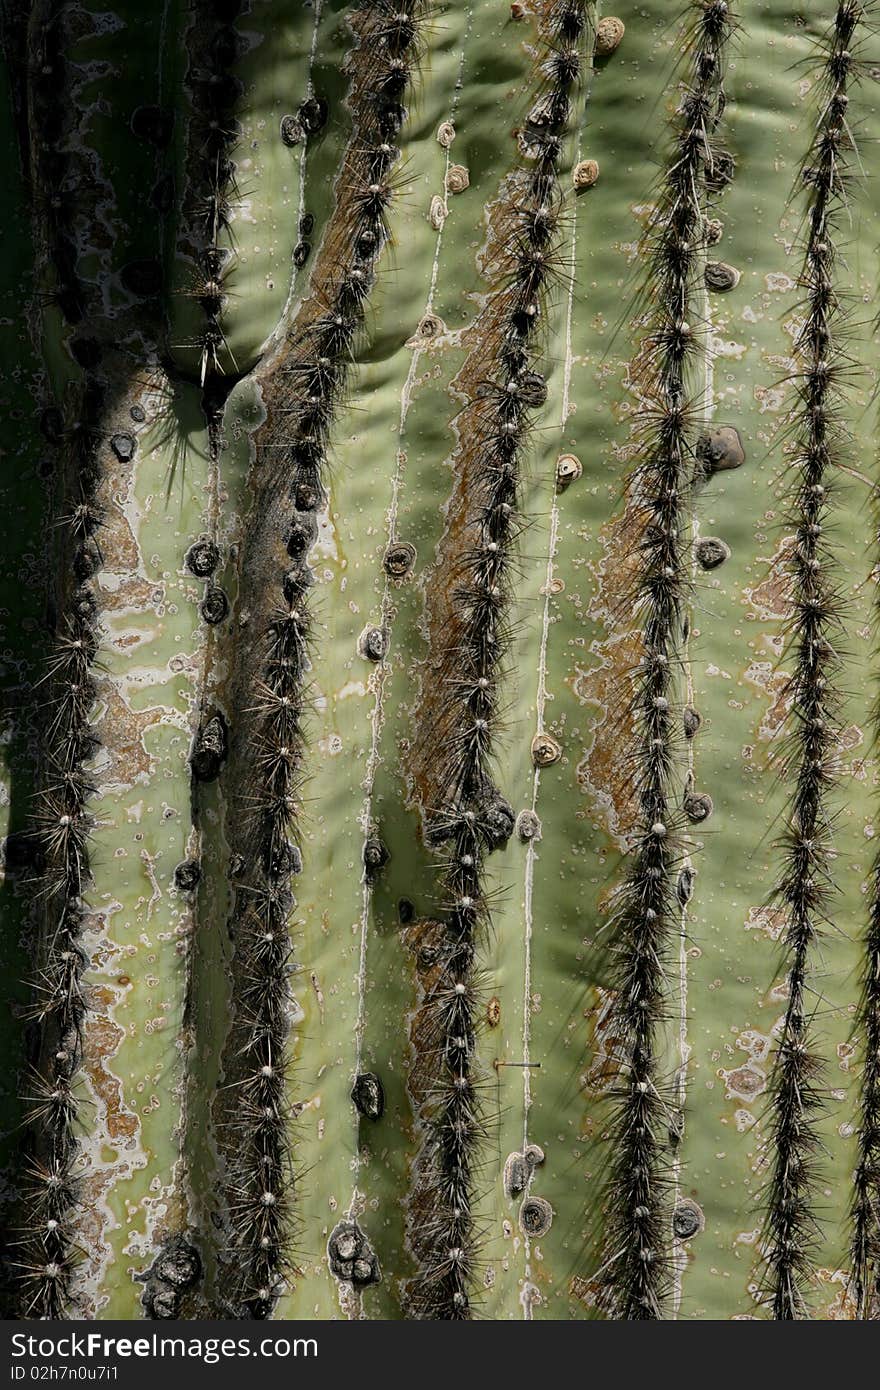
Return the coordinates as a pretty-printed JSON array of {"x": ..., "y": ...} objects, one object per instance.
[
  {"x": 316, "y": 363},
  {"x": 806, "y": 886},
  {"x": 469, "y": 816},
  {"x": 865, "y": 1208},
  {"x": 635, "y": 1272},
  {"x": 62, "y": 823},
  {"x": 865, "y": 1213},
  {"x": 566, "y": 408}
]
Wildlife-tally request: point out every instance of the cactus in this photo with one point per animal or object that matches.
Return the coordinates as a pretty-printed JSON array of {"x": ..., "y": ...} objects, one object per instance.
[{"x": 437, "y": 593}]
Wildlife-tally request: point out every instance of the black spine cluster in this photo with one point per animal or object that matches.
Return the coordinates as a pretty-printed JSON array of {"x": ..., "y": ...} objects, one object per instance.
[
  {"x": 495, "y": 428},
  {"x": 62, "y": 831},
  {"x": 320, "y": 356},
  {"x": 634, "y": 1279},
  {"x": 811, "y": 763}
]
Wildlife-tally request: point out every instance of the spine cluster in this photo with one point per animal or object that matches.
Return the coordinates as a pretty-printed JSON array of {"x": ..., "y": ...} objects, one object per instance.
[
  {"x": 319, "y": 359},
  {"x": 811, "y": 765},
  {"x": 635, "y": 1272},
  {"x": 475, "y": 819}
]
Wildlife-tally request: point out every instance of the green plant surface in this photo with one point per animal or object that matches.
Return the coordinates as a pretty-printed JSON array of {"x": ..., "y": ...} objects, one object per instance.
[{"x": 162, "y": 1073}]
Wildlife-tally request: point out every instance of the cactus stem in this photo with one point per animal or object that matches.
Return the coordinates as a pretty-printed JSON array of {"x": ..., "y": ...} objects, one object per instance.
[{"x": 865, "y": 1203}]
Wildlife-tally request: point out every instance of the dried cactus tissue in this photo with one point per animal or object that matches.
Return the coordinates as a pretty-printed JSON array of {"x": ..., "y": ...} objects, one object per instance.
[{"x": 439, "y": 792}]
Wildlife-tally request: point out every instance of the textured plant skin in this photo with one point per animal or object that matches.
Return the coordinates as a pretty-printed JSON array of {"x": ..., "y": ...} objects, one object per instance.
[{"x": 169, "y": 1152}]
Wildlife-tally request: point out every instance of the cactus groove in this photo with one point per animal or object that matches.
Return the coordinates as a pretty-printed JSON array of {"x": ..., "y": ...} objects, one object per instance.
[{"x": 436, "y": 783}]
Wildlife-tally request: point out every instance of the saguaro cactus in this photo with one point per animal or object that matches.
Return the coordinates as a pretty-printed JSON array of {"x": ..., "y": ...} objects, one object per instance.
[{"x": 438, "y": 586}]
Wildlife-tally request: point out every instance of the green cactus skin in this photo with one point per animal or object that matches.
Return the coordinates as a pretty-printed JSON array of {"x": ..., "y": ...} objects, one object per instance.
[{"x": 164, "y": 980}]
